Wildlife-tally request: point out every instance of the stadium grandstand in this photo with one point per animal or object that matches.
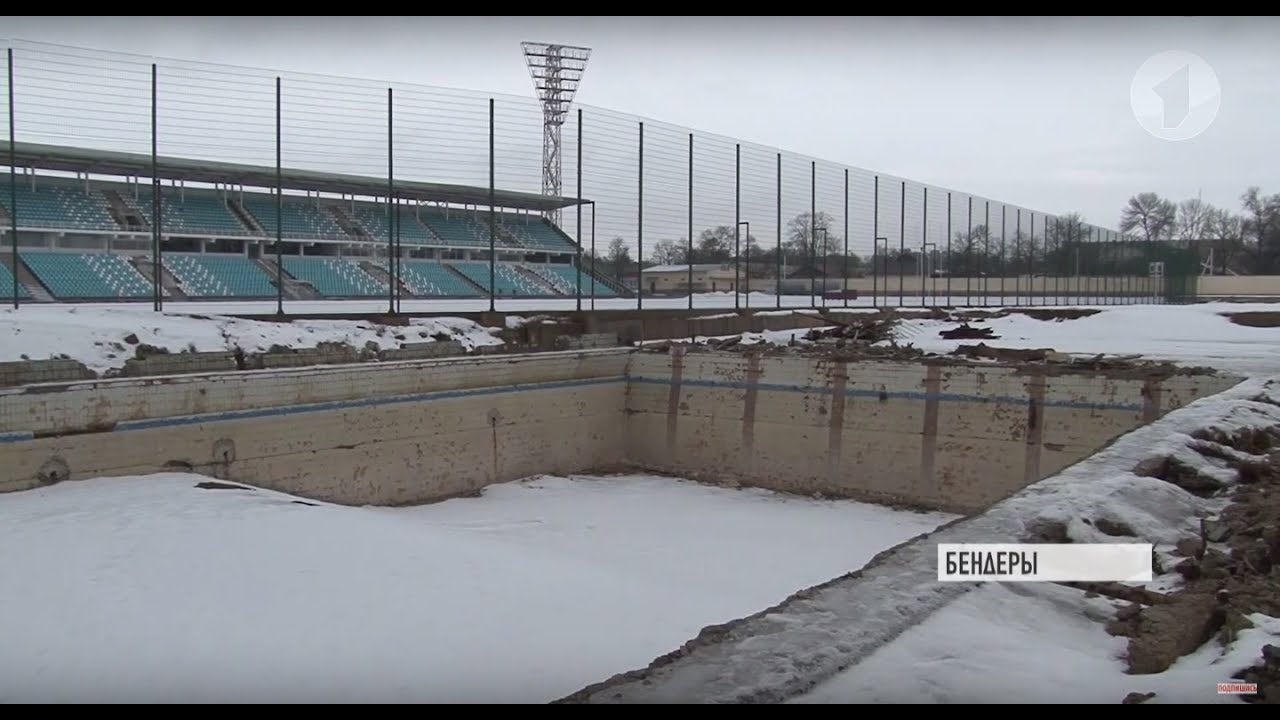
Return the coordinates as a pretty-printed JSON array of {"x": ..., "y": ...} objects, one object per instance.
[{"x": 86, "y": 223}]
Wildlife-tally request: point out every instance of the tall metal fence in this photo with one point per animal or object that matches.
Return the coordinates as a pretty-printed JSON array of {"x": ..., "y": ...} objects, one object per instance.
[{"x": 778, "y": 229}]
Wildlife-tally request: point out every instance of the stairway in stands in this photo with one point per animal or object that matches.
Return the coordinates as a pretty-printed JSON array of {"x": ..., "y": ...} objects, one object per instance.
[
  {"x": 26, "y": 279},
  {"x": 344, "y": 222},
  {"x": 381, "y": 275},
  {"x": 294, "y": 289},
  {"x": 168, "y": 283},
  {"x": 536, "y": 278},
  {"x": 120, "y": 211}
]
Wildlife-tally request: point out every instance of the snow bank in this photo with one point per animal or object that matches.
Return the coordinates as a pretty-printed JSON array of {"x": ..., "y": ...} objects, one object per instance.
[
  {"x": 96, "y": 335},
  {"x": 1033, "y": 643},
  {"x": 1187, "y": 334}
]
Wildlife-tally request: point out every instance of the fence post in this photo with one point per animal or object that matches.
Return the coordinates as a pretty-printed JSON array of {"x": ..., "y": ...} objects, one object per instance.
[
  {"x": 578, "y": 292},
  {"x": 777, "y": 291},
  {"x": 640, "y": 226},
  {"x": 875, "y": 245},
  {"x": 737, "y": 226},
  {"x": 924, "y": 242},
  {"x": 813, "y": 232},
  {"x": 279, "y": 212},
  {"x": 902, "y": 243},
  {"x": 845, "y": 262},
  {"x": 688, "y": 257},
  {"x": 986, "y": 252},
  {"x": 949, "y": 265},
  {"x": 493, "y": 225},
  {"x": 13, "y": 186},
  {"x": 157, "y": 221}
]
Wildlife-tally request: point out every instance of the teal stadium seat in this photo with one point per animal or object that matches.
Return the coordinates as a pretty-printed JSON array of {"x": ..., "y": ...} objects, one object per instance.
[
  {"x": 6, "y": 285},
  {"x": 299, "y": 218},
  {"x": 189, "y": 213},
  {"x": 507, "y": 280},
  {"x": 457, "y": 229},
  {"x": 220, "y": 276},
  {"x": 537, "y": 233},
  {"x": 334, "y": 277},
  {"x": 67, "y": 207},
  {"x": 427, "y": 278},
  {"x": 565, "y": 279},
  {"x": 87, "y": 276},
  {"x": 373, "y": 219}
]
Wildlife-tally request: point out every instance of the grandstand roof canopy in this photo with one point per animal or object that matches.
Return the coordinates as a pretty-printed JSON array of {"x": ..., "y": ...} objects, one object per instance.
[{"x": 108, "y": 162}]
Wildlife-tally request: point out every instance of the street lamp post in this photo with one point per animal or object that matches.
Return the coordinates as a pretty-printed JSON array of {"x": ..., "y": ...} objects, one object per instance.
[
  {"x": 813, "y": 266},
  {"x": 925, "y": 267},
  {"x": 875, "y": 272}
]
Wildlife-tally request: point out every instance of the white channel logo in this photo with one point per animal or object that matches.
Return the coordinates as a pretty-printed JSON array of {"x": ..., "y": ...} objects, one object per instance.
[{"x": 1175, "y": 95}]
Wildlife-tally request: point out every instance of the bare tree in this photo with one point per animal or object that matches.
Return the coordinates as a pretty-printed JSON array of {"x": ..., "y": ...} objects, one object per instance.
[
  {"x": 1261, "y": 229},
  {"x": 1228, "y": 241},
  {"x": 1026, "y": 252},
  {"x": 803, "y": 243},
  {"x": 669, "y": 252},
  {"x": 1149, "y": 213},
  {"x": 715, "y": 245},
  {"x": 1194, "y": 219},
  {"x": 619, "y": 256}
]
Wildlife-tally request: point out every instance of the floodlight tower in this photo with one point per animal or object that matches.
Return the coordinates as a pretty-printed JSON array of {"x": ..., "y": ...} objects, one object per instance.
[{"x": 556, "y": 71}]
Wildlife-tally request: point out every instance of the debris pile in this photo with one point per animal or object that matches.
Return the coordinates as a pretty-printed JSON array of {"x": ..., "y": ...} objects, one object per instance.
[
  {"x": 986, "y": 352},
  {"x": 868, "y": 330},
  {"x": 968, "y": 332}
]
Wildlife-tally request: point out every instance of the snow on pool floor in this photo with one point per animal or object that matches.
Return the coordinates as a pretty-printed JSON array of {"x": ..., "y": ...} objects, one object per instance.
[
  {"x": 149, "y": 589},
  {"x": 1032, "y": 643}
]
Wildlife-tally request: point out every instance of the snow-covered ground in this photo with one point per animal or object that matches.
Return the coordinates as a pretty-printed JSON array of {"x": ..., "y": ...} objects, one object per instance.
[
  {"x": 149, "y": 589},
  {"x": 1032, "y": 643},
  {"x": 95, "y": 335},
  {"x": 1197, "y": 334},
  {"x": 1200, "y": 334},
  {"x": 701, "y": 301}
]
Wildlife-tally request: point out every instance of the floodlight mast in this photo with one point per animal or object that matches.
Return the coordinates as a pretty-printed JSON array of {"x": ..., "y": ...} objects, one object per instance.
[{"x": 556, "y": 71}]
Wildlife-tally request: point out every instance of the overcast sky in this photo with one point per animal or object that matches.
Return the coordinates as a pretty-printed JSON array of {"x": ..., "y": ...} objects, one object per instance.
[{"x": 1035, "y": 112}]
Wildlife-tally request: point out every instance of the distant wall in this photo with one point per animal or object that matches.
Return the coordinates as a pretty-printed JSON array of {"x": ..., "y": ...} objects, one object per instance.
[
  {"x": 1239, "y": 286},
  {"x": 389, "y": 433},
  {"x": 941, "y": 436}
]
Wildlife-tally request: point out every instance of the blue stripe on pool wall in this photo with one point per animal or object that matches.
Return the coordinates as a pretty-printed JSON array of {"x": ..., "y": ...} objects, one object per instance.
[
  {"x": 252, "y": 414},
  {"x": 889, "y": 394}
]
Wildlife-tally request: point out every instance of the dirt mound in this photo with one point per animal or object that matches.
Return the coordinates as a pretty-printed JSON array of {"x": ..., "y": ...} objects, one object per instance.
[
  {"x": 1232, "y": 569},
  {"x": 1261, "y": 319},
  {"x": 1180, "y": 473},
  {"x": 1266, "y": 675},
  {"x": 1044, "y": 314}
]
